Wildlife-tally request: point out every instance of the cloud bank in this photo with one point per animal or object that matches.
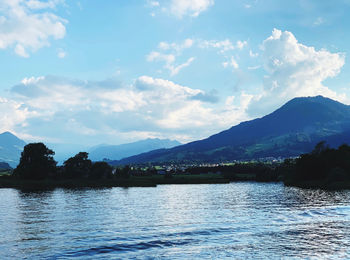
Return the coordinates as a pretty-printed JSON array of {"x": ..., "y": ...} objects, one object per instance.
[
  {"x": 92, "y": 112},
  {"x": 294, "y": 69},
  {"x": 74, "y": 110},
  {"x": 26, "y": 28}
]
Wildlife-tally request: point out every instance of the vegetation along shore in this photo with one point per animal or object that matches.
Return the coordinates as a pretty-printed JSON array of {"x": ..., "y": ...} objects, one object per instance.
[{"x": 324, "y": 167}]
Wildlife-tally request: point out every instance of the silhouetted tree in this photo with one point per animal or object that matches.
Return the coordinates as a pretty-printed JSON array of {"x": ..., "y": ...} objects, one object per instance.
[
  {"x": 124, "y": 172},
  {"x": 78, "y": 166},
  {"x": 168, "y": 175},
  {"x": 323, "y": 163},
  {"x": 319, "y": 148},
  {"x": 101, "y": 170},
  {"x": 337, "y": 174},
  {"x": 151, "y": 171},
  {"x": 36, "y": 162}
]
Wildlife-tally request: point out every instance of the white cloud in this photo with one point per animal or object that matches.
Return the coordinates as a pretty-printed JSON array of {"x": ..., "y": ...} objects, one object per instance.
[
  {"x": 174, "y": 70},
  {"x": 169, "y": 59},
  {"x": 12, "y": 115},
  {"x": 223, "y": 46},
  {"x": 241, "y": 44},
  {"x": 181, "y": 8},
  {"x": 188, "y": 43},
  {"x": 35, "y": 4},
  {"x": 183, "y": 113},
  {"x": 295, "y": 69},
  {"x": 252, "y": 54},
  {"x": 31, "y": 80},
  {"x": 168, "y": 52},
  {"x": 157, "y": 56},
  {"x": 231, "y": 63},
  {"x": 20, "y": 51},
  {"x": 86, "y": 111},
  {"x": 24, "y": 27}
]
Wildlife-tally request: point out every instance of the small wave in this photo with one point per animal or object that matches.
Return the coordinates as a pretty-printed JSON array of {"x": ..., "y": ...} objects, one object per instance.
[
  {"x": 194, "y": 233},
  {"x": 338, "y": 211},
  {"x": 305, "y": 214},
  {"x": 127, "y": 247}
]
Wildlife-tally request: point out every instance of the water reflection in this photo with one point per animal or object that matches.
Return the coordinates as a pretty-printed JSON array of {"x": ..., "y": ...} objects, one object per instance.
[
  {"x": 299, "y": 198},
  {"x": 238, "y": 220},
  {"x": 29, "y": 220}
]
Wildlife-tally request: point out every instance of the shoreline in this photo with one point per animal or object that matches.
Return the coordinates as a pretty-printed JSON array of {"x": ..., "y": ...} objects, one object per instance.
[
  {"x": 155, "y": 180},
  {"x": 147, "y": 181}
]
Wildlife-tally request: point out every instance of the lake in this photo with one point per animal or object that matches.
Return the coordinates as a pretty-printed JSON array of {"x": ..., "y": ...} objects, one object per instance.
[{"x": 242, "y": 220}]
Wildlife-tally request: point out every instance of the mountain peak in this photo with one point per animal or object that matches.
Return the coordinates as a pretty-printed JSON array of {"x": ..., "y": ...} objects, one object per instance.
[
  {"x": 11, "y": 148},
  {"x": 315, "y": 99},
  {"x": 317, "y": 108},
  {"x": 290, "y": 130},
  {"x": 8, "y": 137},
  {"x": 7, "y": 133}
]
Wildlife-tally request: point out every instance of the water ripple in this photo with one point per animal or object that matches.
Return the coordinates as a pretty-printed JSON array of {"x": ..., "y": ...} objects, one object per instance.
[{"x": 237, "y": 220}]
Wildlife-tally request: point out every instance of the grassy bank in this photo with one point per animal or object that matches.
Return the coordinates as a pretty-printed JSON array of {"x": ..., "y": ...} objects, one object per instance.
[
  {"x": 133, "y": 181},
  {"x": 5, "y": 172}
]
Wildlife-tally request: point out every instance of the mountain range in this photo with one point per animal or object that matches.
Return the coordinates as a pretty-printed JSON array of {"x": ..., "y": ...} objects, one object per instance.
[
  {"x": 289, "y": 131},
  {"x": 116, "y": 152},
  {"x": 11, "y": 148}
]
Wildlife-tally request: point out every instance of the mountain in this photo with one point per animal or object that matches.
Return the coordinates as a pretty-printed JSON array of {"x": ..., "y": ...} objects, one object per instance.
[
  {"x": 289, "y": 131},
  {"x": 4, "y": 166},
  {"x": 10, "y": 148},
  {"x": 116, "y": 152}
]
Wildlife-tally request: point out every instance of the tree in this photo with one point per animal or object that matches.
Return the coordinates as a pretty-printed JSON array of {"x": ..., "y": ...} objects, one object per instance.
[
  {"x": 36, "y": 162},
  {"x": 124, "y": 172},
  {"x": 319, "y": 148},
  {"x": 168, "y": 175},
  {"x": 101, "y": 170},
  {"x": 78, "y": 166},
  {"x": 151, "y": 171}
]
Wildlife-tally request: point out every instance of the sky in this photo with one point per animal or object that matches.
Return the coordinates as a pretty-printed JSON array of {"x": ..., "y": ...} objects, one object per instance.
[{"x": 115, "y": 71}]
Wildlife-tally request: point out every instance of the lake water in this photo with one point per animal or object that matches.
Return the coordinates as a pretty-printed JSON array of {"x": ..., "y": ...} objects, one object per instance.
[{"x": 236, "y": 220}]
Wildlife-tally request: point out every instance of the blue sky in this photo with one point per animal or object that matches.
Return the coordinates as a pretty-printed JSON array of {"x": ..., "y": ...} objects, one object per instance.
[{"x": 116, "y": 71}]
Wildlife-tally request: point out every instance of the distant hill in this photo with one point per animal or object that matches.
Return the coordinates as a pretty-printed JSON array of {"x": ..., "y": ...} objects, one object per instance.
[
  {"x": 116, "y": 152},
  {"x": 289, "y": 131},
  {"x": 10, "y": 148},
  {"x": 4, "y": 166}
]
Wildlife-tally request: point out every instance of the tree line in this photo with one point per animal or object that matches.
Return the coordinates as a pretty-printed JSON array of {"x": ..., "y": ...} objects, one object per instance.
[
  {"x": 322, "y": 164},
  {"x": 37, "y": 163}
]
